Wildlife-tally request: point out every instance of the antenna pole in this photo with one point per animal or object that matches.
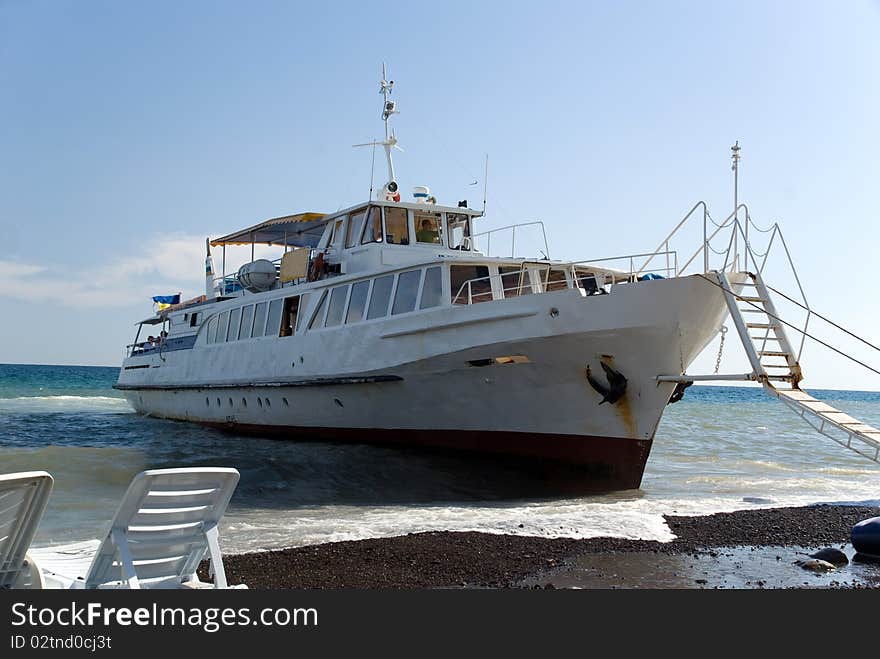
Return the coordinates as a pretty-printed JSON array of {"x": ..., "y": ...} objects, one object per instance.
[
  {"x": 485, "y": 182},
  {"x": 388, "y": 109},
  {"x": 390, "y": 142},
  {"x": 735, "y": 157},
  {"x": 372, "y": 168}
]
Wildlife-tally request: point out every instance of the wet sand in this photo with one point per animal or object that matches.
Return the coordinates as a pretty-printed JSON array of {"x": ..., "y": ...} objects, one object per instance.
[{"x": 743, "y": 549}]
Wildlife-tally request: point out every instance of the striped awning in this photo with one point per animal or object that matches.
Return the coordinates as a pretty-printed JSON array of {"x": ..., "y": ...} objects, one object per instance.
[{"x": 300, "y": 230}]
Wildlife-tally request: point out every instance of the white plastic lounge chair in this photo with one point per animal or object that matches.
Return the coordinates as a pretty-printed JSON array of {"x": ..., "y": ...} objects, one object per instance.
[
  {"x": 166, "y": 523},
  {"x": 23, "y": 498}
]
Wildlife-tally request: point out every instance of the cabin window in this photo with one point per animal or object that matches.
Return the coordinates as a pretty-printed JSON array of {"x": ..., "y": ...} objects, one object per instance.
[
  {"x": 337, "y": 306},
  {"x": 355, "y": 226},
  {"x": 554, "y": 280},
  {"x": 303, "y": 304},
  {"x": 427, "y": 227},
  {"x": 211, "y": 332},
  {"x": 396, "y": 226},
  {"x": 247, "y": 320},
  {"x": 318, "y": 318},
  {"x": 234, "y": 320},
  {"x": 459, "y": 230},
  {"x": 515, "y": 282},
  {"x": 373, "y": 228},
  {"x": 358, "y": 302},
  {"x": 288, "y": 317},
  {"x": 407, "y": 290},
  {"x": 380, "y": 298},
  {"x": 223, "y": 325},
  {"x": 432, "y": 289},
  {"x": 470, "y": 284},
  {"x": 259, "y": 319},
  {"x": 589, "y": 282},
  {"x": 274, "y": 319},
  {"x": 193, "y": 319}
]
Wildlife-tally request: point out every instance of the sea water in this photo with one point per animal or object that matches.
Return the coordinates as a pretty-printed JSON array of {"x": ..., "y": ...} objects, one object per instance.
[{"x": 720, "y": 449}]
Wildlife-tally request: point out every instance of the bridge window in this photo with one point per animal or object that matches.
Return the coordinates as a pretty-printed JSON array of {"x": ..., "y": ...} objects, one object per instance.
[
  {"x": 335, "y": 238},
  {"x": 432, "y": 290},
  {"x": 355, "y": 226},
  {"x": 459, "y": 230},
  {"x": 337, "y": 306},
  {"x": 274, "y": 319},
  {"x": 247, "y": 317},
  {"x": 407, "y": 290},
  {"x": 380, "y": 298},
  {"x": 427, "y": 227},
  {"x": 288, "y": 318},
  {"x": 358, "y": 302},
  {"x": 259, "y": 319},
  {"x": 396, "y": 226},
  {"x": 373, "y": 228},
  {"x": 470, "y": 284},
  {"x": 193, "y": 319}
]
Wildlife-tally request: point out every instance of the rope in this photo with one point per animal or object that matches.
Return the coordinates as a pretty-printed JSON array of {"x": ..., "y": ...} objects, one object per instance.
[
  {"x": 720, "y": 226},
  {"x": 758, "y": 254},
  {"x": 827, "y": 320},
  {"x": 757, "y": 228},
  {"x": 787, "y": 324}
]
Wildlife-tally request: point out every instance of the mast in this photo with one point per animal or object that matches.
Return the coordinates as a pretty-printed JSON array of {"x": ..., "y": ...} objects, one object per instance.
[
  {"x": 735, "y": 167},
  {"x": 390, "y": 189}
]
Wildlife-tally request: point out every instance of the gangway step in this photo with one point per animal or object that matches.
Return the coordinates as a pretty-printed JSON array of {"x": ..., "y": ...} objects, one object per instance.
[
  {"x": 839, "y": 426},
  {"x": 749, "y": 298},
  {"x": 761, "y": 325},
  {"x": 764, "y": 338},
  {"x": 772, "y": 353},
  {"x": 753, "y": 311}
]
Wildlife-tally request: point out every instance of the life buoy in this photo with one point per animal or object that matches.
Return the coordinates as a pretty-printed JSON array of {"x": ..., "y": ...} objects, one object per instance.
[{"x": 317, "y": 267}]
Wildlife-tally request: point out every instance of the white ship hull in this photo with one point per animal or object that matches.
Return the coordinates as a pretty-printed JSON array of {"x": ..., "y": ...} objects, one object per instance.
[{"x": 430, "y": 379}]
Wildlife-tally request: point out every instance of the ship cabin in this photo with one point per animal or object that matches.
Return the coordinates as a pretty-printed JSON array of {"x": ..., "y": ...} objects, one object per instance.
[{"x": 392, "y": 257}]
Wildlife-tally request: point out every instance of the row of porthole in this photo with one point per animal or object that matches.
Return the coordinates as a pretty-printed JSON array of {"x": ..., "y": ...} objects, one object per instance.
[{"x": 260, "y": 401}]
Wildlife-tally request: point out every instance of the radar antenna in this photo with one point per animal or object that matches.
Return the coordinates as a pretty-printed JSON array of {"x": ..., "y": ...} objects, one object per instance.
[{"x": 390, "y": 190}]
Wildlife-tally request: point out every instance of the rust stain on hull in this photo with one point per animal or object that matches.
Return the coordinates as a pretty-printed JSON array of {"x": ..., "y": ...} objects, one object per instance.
[{"x": 626, "y": 415}]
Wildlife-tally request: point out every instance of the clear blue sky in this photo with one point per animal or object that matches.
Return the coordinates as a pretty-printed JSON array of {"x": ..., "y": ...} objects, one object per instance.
[{"x": 130, "y": 132}]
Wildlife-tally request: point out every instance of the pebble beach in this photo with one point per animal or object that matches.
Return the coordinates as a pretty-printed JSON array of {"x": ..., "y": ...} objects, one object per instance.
[{"x": 742, "y": 549}]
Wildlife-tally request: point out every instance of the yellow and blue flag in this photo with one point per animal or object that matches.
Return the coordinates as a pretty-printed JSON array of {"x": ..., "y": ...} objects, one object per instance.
[{"x": 165, "y": 301}]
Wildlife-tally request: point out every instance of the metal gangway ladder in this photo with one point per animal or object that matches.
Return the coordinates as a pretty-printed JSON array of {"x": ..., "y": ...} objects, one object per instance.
[
  {"x": 775, "y": 364},
  {"x": 772, "y": 357}
]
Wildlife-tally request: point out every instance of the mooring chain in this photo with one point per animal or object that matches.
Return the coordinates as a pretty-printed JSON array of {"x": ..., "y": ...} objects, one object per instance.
[{"x": 723, "y": 331}]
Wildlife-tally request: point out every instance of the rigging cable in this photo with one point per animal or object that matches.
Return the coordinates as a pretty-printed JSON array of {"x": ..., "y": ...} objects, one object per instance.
[
  {"x": 827, "y": 320},
  {"x": 787, "y": 324}
]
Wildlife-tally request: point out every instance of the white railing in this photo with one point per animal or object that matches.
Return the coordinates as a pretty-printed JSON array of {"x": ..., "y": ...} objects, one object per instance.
[
  {"x": 540, "y": 277},
  {"x": 512, "y": 229}
]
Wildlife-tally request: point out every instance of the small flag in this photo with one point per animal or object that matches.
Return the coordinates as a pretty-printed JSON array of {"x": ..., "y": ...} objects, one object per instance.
[{"x": 165, "y": 301}]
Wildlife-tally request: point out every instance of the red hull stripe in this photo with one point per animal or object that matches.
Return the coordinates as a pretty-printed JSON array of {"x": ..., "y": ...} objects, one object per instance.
[{"x": 599, "y": 463}]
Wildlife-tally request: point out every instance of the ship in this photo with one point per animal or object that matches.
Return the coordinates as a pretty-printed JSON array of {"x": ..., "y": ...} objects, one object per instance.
[{"x": 389, "y": 322}]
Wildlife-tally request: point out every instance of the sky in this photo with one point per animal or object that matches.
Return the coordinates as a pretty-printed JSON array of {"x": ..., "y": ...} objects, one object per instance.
[{"x": 130, "y": 132}]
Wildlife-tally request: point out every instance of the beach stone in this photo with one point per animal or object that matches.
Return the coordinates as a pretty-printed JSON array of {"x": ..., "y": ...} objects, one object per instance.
[
  {"x": 832, "y": 555},
  {"x": 816, "y": 565}
]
